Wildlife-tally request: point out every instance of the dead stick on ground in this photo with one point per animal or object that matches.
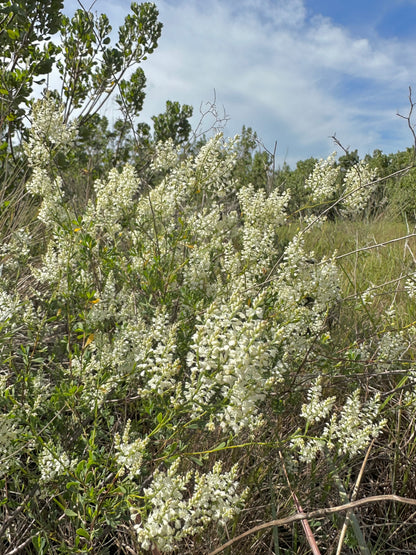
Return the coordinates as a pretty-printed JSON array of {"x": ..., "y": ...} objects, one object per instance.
[
  {"x": 319, "y": 513},
  {"x": 305, "y": 524}
]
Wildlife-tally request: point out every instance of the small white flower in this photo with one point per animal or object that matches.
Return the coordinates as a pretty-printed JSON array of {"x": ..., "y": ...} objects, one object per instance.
[
  {"x": 130, "y": 455},
  {"x": 54, "y": 462}
]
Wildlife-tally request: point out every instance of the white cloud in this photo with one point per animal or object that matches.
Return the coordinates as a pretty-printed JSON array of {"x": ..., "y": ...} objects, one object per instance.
[{"x": 293, "y": 78}]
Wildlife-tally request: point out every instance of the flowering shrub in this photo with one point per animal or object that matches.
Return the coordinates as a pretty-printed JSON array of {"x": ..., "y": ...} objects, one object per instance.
[
  {"x": 150, "y": 322},
  {"x": 348, "y": 434},
  {"x": 355, "y": 190},
  {"x": 359, "y": 183},
  {"x": 323, "y": 180},
  {"x": 172, "y": 518}
]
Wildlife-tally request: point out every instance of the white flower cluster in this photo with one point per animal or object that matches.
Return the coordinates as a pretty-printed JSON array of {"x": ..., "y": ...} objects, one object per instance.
[
  {"x": 61, "y": 265},
  {"x": 358, "y": 185},
  {"x": 213, "y": 166},
  {"x": 54, "y": 462},
  {"x": 209, "y": 237},
  {"x": 205, "y": 247},
  {"x": 113, "y": 197},
  {"x": 368, "y": 295},
  {"x": 143, "y": 354},
  {"x": 410, "y": 396},
  {"x": 193, "y": 180},
  {"x": 347, "y": 433},
  {"x": 48, "y": 128},
  {"x": 89, "y": 371},
  {"x": 9, "y": 432},
  {"x": 238, "y": 352},
  {"x": 186, "y": 210},
  {"x": 304, "y": 293},
  {"x": 130, "y": 455},
  {"x": 173, "y": 514},
  {"x": 166, "y": 156},
  {"x": 154, "y": 353},
  {"x": 48, "y": 123},
  {"x": 357, "y": 423},
  {"x": 262, "y": 216},
  {"x": 8, "y": 306},
  {"x": 391, "y": 348},
  {"x": 40, "y": 183},
  {"x": 410, "y": 287},
  {"x": 16, "y": 250},
  {"x": 323, "y": 180},
  {"x": 228, "y": 361},
  {"x": 317, "y": 409}
]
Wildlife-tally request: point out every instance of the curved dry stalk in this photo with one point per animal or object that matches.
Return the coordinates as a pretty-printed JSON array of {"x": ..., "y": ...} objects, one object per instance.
[
  {"x": 305, "y": 524},
  {"x": 370, "y": 247},
  {"x": 319, "y": 513}
]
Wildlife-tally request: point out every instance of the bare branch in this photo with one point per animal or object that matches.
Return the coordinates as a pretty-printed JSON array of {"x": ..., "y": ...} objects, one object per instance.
[
  {"x": 319, "y": 513},
  {"x": 210, "y": 109},
  {"x": 408, "y": 118}
]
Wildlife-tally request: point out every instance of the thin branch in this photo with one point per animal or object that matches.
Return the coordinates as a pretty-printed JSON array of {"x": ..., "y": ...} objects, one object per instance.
[
  {"x": 22, "y": 545},
  {"x": 408, "y": 118},
  {"x": 19, "y": 509},
  {"x": 375, "y": 246},
  {"x": 305, "y": 524},
  {"x": 219, "y": 123},
  {"x": 319, "y": 513},
  {"x": 396, "y": 280}
]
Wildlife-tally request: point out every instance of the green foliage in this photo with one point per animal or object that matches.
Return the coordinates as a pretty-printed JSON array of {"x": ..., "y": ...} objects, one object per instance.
[
  {"x": 253, "y": 165},
  {"x": 173, "y": 123},
  {"x": 27, "y": 54},
  {"x": 132, "y": 94},
  {"x": 91, "y": 69},
  {"x": 400, "y": 188},
  {"x": 294, "y": 181}
]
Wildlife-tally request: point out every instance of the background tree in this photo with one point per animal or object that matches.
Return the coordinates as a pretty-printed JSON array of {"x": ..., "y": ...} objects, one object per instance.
[
  {"x": 91, "y": 69},
  {"x": 173, "y": 123},
  {"x": 27, "y": 56},
  {"x": 253, "y": 162}
]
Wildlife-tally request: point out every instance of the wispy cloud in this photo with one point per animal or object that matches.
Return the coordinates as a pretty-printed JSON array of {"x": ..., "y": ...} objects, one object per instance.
[{"x": 293, "y": 75}]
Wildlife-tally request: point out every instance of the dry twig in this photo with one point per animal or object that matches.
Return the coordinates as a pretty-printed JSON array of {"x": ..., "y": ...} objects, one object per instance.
[{"x": 319, "y": 513}]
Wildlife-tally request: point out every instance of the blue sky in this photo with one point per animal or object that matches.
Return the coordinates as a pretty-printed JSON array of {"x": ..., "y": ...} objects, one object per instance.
[{"x": 296, "y": 71}]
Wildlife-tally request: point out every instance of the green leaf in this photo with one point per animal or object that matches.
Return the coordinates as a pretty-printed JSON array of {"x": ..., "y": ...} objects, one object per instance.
[
  {"x": 197, "y": 461},
  {"x": 69, "y": 485},
  {"x": 83, "y": 533},
  {"x": 39, "y": 543},
  {"x": 70, "y": 512},
  {"x": 80, "y": 467},
  {"x": 13, "y": 33}
]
